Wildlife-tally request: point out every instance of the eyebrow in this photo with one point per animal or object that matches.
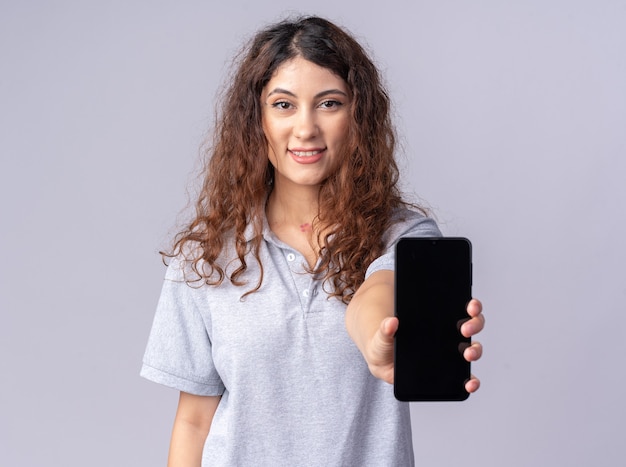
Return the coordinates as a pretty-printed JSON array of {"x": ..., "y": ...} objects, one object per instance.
[{"x": 317, "y": 96}]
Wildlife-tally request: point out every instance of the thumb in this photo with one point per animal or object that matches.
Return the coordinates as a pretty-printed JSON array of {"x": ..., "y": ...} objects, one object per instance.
[{"x": 388, "y": 328}]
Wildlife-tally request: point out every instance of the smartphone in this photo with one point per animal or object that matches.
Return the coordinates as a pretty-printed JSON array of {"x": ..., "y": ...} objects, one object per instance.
[{"x": 433, "y": 285}]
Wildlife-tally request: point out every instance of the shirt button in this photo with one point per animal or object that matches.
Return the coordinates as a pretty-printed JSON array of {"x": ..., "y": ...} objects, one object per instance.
[
  {"x": 305, "y": 292},
  {"x": 291, "y": 257}
]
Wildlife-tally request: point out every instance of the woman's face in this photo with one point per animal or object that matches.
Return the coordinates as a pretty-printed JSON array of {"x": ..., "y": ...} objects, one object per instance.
[{"x": 306, "y": 112}]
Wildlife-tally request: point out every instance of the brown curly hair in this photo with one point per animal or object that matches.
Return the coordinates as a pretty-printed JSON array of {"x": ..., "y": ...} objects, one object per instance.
[{"x": 355, "y": 203}]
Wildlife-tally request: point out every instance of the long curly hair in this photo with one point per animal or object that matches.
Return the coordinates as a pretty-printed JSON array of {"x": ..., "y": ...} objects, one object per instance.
[{"x": 356, "y": 202}]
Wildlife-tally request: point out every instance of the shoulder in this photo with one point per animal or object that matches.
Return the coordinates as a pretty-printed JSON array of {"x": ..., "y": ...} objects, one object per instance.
[
  {"x": 404, "y": 223},
  {"x": 180, "y": 269},
  {"x": 188, "y": 265},
  {"x": 409, "y": 223}
]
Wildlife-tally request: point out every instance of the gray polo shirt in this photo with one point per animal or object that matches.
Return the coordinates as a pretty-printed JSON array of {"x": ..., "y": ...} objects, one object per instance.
[{"x": 295, "y": 389}]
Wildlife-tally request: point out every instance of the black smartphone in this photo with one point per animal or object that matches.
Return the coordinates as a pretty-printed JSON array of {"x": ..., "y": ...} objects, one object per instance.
[{"x": 433, "y": 285}]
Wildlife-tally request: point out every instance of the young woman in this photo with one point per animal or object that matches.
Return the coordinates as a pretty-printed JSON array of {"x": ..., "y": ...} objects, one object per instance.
[{"x": 276, "y": 318}]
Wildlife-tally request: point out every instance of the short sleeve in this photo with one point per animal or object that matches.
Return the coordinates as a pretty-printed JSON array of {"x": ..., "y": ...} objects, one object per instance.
[
  {"x": 179, "y": 350},
  {"x": 406, "y": 224}
]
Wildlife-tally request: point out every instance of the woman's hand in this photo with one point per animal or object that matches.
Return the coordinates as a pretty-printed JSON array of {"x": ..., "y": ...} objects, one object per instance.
[
  {"x": 372, "y": 327},
  {"x": 379, "y": 352}
]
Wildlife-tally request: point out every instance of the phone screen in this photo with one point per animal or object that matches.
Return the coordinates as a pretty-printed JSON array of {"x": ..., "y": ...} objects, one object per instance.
[{"x": 433, "y": 282}]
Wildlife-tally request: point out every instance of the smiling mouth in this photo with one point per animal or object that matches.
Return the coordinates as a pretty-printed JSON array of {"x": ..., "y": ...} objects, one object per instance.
[{"x": 306, "y": 153}]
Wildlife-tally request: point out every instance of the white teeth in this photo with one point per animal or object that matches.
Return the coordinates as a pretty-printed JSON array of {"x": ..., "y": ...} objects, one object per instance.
[{"x": 305, "y": 153}]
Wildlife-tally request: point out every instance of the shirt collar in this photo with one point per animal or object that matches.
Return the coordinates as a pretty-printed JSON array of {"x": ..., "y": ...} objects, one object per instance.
[{"x": 249, "y": 234}]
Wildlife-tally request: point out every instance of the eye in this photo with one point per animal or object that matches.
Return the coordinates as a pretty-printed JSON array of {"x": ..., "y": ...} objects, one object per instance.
[
  {"x": 282, "y": 105},
  {"x": 330, "y": 104}
]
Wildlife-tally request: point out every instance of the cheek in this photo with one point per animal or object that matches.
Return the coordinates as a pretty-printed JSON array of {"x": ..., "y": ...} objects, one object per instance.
[
  {"x": 273, "y": 132},
  {"x": 271, "y": 155},
  {"x": 342, "y": 130}
]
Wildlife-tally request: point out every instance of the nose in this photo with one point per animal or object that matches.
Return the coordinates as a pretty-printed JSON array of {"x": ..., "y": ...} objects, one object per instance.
[{"x": 305, "y": 125}]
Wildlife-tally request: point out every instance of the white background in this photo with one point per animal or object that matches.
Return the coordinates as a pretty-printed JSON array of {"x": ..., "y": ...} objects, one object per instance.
[{"x": 513, "y": 124}]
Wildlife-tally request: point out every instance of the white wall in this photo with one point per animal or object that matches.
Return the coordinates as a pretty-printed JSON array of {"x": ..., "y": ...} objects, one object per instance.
[{"x": 513, "y": 116}]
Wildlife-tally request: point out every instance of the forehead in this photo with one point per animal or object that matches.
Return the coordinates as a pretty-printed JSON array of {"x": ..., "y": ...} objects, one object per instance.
[{"x": 299, "y": 73}]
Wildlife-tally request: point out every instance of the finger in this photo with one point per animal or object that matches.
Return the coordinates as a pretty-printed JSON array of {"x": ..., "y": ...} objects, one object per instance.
[
  {"x": 472, "y": 385},
  {"x": 473, "y": 352},
  {"x": 474, "y": 307},
  {"x": 476, "y": 322},
  {"x": 388, "y": 327},
  {"x": 383, "y": 340},
  {"x": 473, "y": 326}
]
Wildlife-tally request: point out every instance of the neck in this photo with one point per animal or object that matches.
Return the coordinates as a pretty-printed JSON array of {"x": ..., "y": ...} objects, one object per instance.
[
  {"x": 293, "y": 207},
  {"x": 290, "y": 215}
]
